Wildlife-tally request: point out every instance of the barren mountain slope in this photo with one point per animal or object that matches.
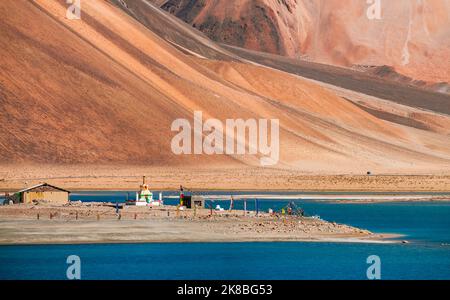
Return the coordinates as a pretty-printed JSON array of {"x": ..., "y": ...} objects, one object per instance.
[
  {"x": 411, "y": 36},
  {"x": 105, "y": 89}
]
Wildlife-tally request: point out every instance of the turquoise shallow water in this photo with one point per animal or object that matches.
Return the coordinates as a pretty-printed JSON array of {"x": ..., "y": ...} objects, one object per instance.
[{"x": 426, "y": 225}]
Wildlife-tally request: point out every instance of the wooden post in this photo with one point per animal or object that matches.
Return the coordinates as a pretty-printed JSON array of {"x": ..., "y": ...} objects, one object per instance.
[
  {"x": 51, "y": 216},
  {"x": 245, "y": 207},
  {"x": 76, "y": 216},
  {"x": 135, "y": 216},
  {"x": 38, "y": 216},
  {"x": 98, "y": 217}
]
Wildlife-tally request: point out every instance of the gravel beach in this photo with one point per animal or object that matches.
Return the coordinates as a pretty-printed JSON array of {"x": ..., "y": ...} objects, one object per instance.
[{"x": 98, "y": 223}]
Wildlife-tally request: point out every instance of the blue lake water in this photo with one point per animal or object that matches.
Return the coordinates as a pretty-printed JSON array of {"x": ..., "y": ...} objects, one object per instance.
[{"x": 425, "y": 225}]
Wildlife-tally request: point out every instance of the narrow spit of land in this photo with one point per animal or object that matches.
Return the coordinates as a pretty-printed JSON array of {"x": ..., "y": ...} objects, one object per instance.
[{"x": 98, "y": 223}]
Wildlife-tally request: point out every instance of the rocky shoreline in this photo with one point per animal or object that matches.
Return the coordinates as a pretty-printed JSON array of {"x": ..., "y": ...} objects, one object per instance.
[{"x": 78, "y": 222}]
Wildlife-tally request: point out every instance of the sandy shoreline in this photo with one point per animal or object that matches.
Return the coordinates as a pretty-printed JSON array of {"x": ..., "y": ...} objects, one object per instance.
[
  {"x": 104, "y": 178},
  {"x": 105, "y": 232},
  {"x": 343, "y": 199},
  {"x": 82, "y": 223},
  {"x": 109, "y": 236}
]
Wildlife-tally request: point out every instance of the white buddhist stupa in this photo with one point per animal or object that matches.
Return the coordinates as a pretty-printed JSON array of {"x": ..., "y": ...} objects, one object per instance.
[{"x": 145, "y": 197}]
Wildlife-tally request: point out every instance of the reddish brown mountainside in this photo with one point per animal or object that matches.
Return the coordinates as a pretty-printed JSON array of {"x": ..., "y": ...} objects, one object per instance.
[
  {"x": 105, "y": 89},
  {"x": 411, "y": 36}
]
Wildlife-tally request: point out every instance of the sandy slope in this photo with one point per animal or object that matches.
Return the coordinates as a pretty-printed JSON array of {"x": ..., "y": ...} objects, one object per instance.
[
  {"x": 411, "y": 36},
  {"x": 105, "y": 90}
]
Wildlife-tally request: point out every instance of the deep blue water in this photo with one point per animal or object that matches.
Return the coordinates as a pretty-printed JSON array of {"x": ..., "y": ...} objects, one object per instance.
[{"x": 426, "y": 226}]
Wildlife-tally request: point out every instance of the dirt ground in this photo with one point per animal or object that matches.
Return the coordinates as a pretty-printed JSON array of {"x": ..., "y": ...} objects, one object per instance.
[
  {"x": 91, "y": 177},
  {"x": 98, "y": 223}
]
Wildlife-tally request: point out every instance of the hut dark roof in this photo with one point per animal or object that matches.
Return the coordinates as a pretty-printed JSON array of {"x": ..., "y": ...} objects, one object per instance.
[{"x": 43, "y": 187}]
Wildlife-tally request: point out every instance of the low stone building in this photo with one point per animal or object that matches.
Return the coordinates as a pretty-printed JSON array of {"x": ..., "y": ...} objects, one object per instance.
[{"x": 43, "y": 192}]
